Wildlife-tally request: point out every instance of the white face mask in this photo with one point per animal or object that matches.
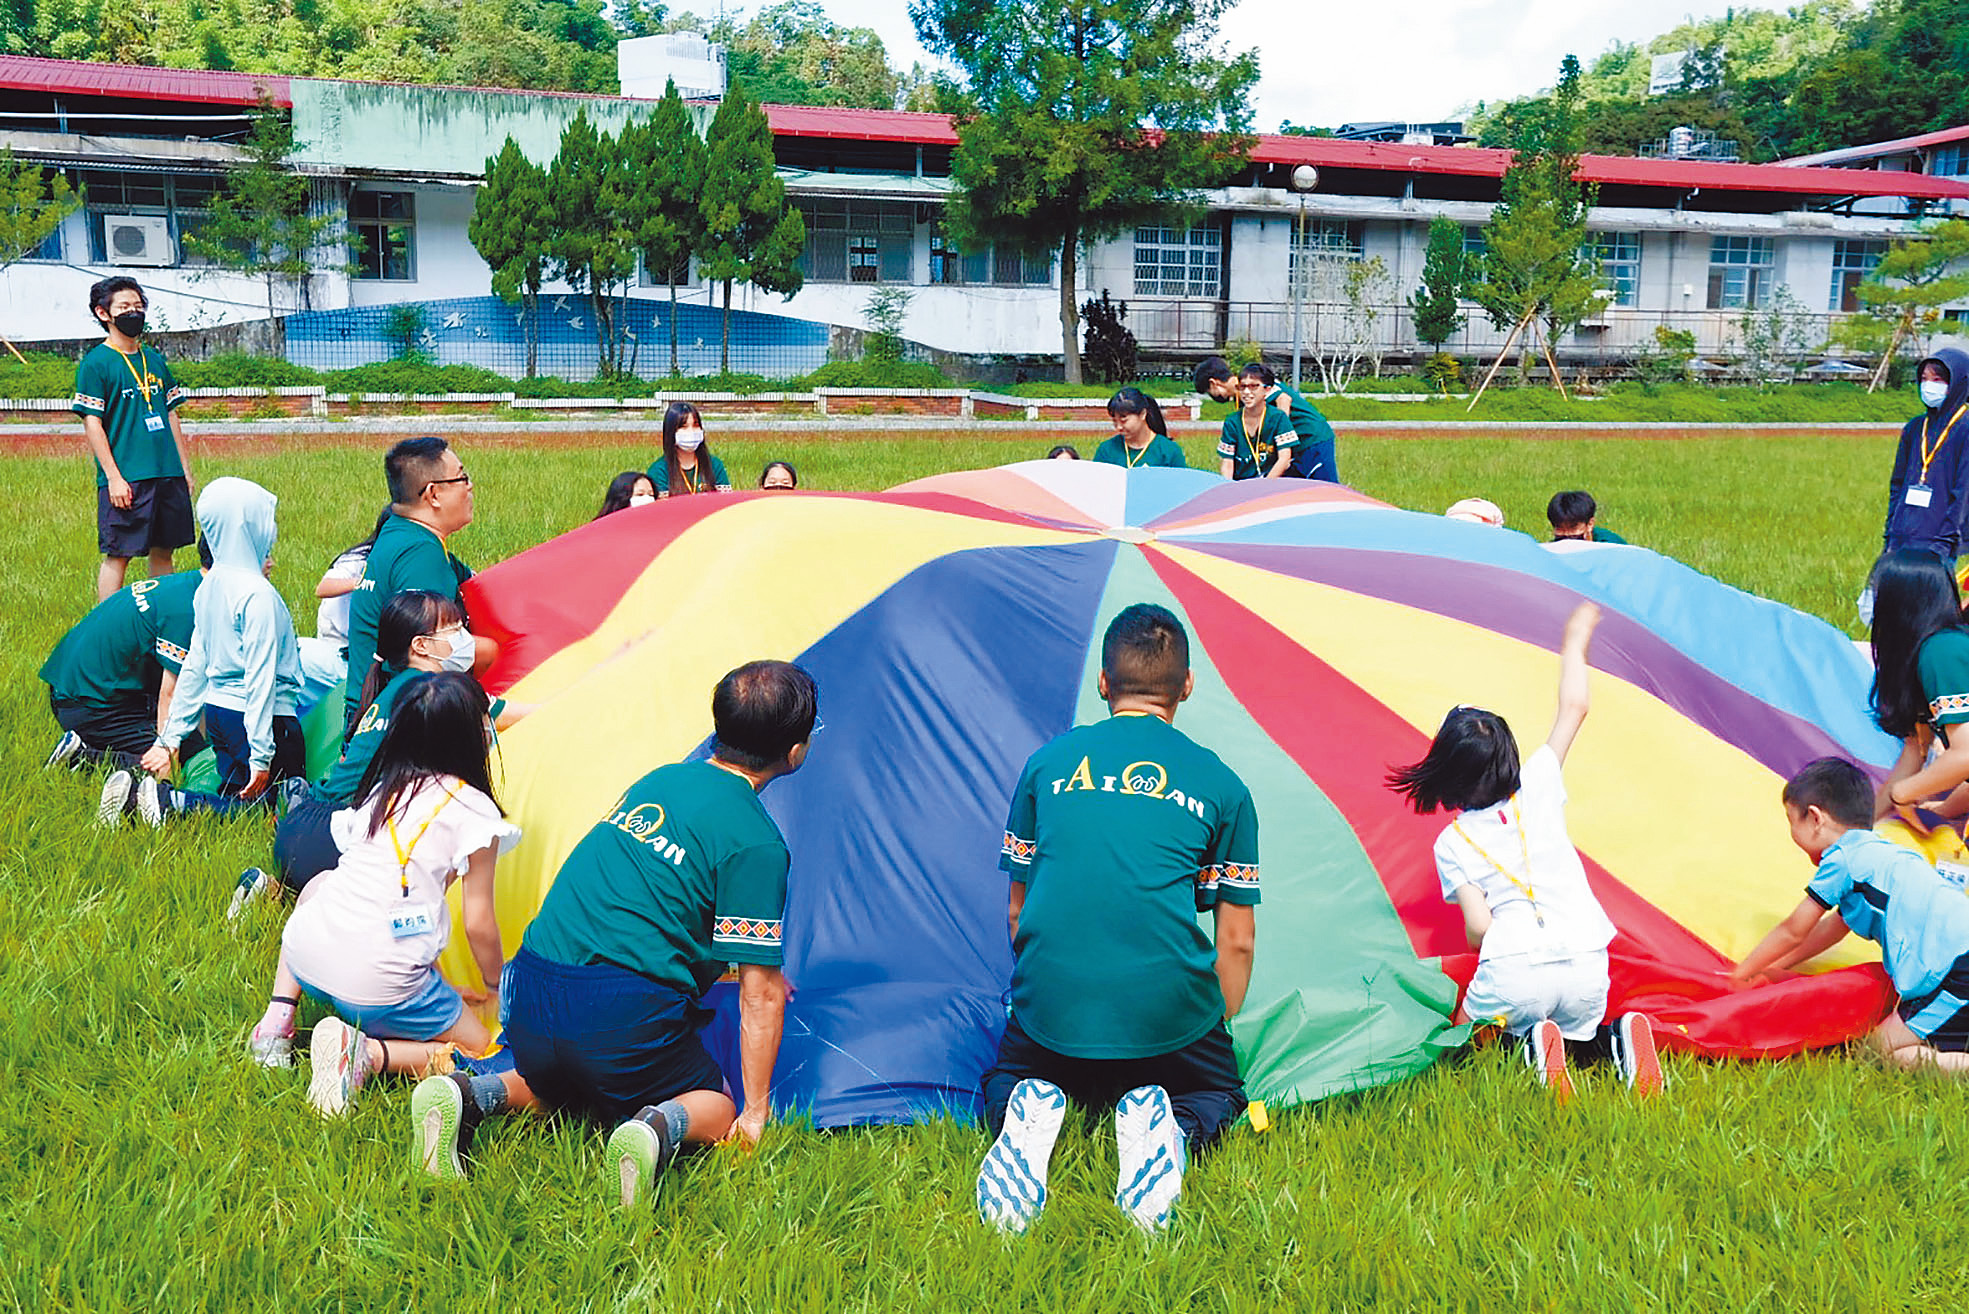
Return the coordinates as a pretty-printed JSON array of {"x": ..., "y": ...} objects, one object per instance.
[
  {"x": 463, "y": 649},
  {"x": 690, "y": 439},
  {"x": 1933, "y": 393},
  {"x": 642, "y": 499}
]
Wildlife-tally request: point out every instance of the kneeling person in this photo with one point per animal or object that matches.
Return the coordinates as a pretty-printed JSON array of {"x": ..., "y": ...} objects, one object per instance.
[
  {"x": 1120, "y": 834},
  {"x": 684, "y": 874}
]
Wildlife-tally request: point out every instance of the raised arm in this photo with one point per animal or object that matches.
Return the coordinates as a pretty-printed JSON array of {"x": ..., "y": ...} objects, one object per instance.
[{"x": 1573, "y": 697}]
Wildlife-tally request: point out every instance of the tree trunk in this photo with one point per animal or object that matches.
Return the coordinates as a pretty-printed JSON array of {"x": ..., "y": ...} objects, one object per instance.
[
  {"x": 530, "y": 308},
  {"x": 1069, "y": 308},
  {"x": 604, "y": 334},
  {"x": 1887, "y": 356},
  {"x": 725, "y": 344},
  {"x": 675, "y": 372}
]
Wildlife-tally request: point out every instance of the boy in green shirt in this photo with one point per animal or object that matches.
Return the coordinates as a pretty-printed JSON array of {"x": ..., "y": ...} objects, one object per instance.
[
  {"x": 1120, "y": 834},
  {"x": 129, "y": 403}
]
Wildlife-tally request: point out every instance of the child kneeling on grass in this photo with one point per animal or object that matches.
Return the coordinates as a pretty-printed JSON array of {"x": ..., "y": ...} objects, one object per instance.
[
  {"x": 365, "y": 935},
  {"x": 1868, "y": 884},
  {"x": 1508, "y": 863}
]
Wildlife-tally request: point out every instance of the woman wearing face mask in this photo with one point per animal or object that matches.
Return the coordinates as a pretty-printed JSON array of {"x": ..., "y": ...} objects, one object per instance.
[
  {"x": 630, "y": 488},
  {"x": 418, "y": 632},
  {"x": 687, "y": 465},
  {"x": 1928, "y": 497}
]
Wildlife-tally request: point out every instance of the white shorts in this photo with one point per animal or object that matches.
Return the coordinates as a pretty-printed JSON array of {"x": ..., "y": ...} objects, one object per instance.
[{"x": 1517, "y": 995}]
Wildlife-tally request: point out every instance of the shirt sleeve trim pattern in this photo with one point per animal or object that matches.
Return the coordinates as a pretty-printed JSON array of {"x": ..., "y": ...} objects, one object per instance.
[
  {"x": 88, "y": 404},
  {"x": 1018, "y": 849},
  {"x": 757, "y": 931},
  {"x": 1949, "y": 705}
]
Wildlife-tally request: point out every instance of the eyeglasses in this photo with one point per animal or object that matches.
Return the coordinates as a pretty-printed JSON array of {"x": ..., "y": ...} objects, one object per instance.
[
  {"x": 819, "y": 725},
  {"x": 460, "y": 478}
]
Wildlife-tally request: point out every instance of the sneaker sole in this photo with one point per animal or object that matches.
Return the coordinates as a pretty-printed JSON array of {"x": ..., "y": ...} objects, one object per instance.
[
  {"x": 1641, "y": 1059},
  {"x": 1012, "y": 1177},
  {"x": 631, "y": 1158},
  {"x": 1552, "y": 1072},
  {"x": 437, "y": 1109},
  {"x": 150, "y": 802},
  {"x": 328, "y": 1055},
  {"x": 65, "y": 750},
  {"x": 1151, "y": 1152},
  {"x": 115, "y": 798},
  {"x": 246, "y": 893}
]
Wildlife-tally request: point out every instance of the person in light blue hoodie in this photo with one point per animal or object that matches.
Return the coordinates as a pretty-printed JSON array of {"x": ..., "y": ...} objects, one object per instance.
[{"x": 242, "y": 672}]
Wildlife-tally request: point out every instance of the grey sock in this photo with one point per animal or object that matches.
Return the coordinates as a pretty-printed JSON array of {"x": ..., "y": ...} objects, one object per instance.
[
  {"x": 676, "y": 1120},
  {"x": 489, "y": 1093}
]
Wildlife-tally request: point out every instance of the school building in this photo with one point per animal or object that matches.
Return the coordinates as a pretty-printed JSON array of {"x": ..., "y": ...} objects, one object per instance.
[{"x": 1688, "y": 243}]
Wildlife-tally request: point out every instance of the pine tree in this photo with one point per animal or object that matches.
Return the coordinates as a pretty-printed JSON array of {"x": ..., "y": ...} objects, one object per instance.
[
  {"x": 590, "y": 246},
  {"x": 1434, "y": 306},
  {"x": 512, "y": 224},
  {"x": 751, "y": 235},
  {"x": 662, "y": 214}
]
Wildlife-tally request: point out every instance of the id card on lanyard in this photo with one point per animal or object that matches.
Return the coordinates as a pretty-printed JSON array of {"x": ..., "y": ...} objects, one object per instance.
[
  {"x": 1921, "y": 493},
  {"x": 409, "y": 920}
]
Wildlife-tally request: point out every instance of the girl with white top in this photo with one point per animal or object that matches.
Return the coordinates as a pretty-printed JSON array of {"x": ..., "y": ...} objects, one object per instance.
[
  {"x": 366, "y": 934},
  {"x": 1507, "y": 862}
]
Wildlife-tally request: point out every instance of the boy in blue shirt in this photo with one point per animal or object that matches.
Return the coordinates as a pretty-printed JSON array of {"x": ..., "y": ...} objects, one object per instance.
[{"x": 1889, "y": 894}]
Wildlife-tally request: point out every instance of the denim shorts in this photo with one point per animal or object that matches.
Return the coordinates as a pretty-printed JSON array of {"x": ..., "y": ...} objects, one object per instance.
[{"x": 426, "y": 1015}]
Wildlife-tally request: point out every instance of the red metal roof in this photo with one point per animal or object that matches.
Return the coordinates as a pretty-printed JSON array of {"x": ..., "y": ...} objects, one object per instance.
[
  {"x": 861, "y": 124},
  {"x": 21, "y": 73},
  {"x": 1877, "y": 149}
]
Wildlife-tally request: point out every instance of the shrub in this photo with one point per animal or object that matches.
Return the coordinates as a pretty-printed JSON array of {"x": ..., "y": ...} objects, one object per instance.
[
  {"x": 1443, "y": 371},
  {"x": 239, "y": 369},
  {"x": 865, "y": 374},
  {"x": 416, "y": 377},
  {"x": 1110, "y": 349}
]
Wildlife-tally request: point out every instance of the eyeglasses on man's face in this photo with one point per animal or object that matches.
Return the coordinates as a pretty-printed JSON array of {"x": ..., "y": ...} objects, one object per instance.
[{"x": 460, "y": 478}]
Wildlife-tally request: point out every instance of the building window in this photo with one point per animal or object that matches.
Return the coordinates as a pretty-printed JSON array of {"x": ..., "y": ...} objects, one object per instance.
[
  {"x": 1950, "y": 161},
  {"x": 1474, "y": 245},
  {"x": 1740, "y": 272},
  {"x": 1179, "y": 262},
  {"x": 1619, "y": 255},
  {"x": 996, "y": 265},
  {"x": 857, "y": 241},
  {"x": 383, "y": 228},
  {"x": 1320, "y": 244},
  {"x": 1852, "y": 261},
  {"x": 180, "y": 201}
]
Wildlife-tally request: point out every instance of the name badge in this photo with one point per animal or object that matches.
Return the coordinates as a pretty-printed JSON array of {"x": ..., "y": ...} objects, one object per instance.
[
  {"x": 1919, "y": 495},
  {"x": 156, "y": 422},
  {"x": 414, "y": 920},
  {"x": 1953, "y": 873}
]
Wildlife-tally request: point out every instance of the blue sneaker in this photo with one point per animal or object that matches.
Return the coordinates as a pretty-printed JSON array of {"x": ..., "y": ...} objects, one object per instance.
[
  {"x": 65, "y": 750},
  {"x": 253, "y": 886},
  {"x": 1012, "y": 1178},
  {"x": 1151, "y": 1149}
]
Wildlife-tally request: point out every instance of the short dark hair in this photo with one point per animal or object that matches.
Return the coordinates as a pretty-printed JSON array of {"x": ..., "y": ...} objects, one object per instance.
[
  {"x": 204, "y": 552},
  {"x": 1063, "y": 449},
  {"x": 761, "y": 710},
  {"x": 1260, "y": 371},
  {"x": 1571, "y": 508},
  {"x": 411, "y": 465},
  {"x": 1145, "y": 653},
  {"x": 1471, "y": 763},
  {"x": 102, "y": 292},
  {"x": 1835, "y": 787},
  {"x": 771, "y": 466},
  {"x": 1209, "y": 370}
]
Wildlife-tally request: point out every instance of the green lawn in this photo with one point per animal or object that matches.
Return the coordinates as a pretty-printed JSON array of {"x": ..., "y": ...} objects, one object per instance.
[{"x": 144, "y": 1163}]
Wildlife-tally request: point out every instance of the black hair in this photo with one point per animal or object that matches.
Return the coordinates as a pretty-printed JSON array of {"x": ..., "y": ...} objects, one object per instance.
[
  {"x": 1133, "y": 401},
  {"x": 1259, "y": 371},
  {"x": 204, "y": 552},
  {"x": 411, "y": 465},
  {"x": 1572, "y": 508},
  {"x": 382, "y": 518},
  {"x": 104, "y": 291},
  {"x": 1471, "y": 763},
  {"x": 408, "y": 615},
  {"x": 437, "y": 728},
  {"x": 620, "y": 490},
  {"x": 1835, "y": 787},
  {"x": 1064, "y": 449},
  {"x": 1145, "y": 653},
  {"x": 761, "y": 710},
  {"x": 673, "y": 420},
  {"x": 1914, "y": 599},
  {"x": 1209, "y": 370},
  {"x": 771, "y": 466}
]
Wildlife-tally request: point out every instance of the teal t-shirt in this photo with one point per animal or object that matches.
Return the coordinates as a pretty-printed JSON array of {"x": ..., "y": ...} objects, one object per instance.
[
  {"x": 341, "y": 781},
  {"x": 1161, "y": 451},
  {"x": 1306, "y": 421},
  {"x": 1250, "y": 460},
  {"x": 1942, "y": 666},
  {"x": 406, "y": 555},
  {"x": 133, "y": 396},
  {"x": 685, "y": 873},
  {"x": 118, "y": 649},
  {"x": 1122, "y": 833},
  {"x": 695, "y": 481}
]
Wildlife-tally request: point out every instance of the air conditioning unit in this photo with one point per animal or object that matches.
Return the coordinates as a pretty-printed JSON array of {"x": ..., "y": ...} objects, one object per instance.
[{"x": 138, "y": 239}]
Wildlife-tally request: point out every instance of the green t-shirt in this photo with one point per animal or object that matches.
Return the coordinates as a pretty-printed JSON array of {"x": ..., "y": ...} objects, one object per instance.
[
  {"x": 685, "y": 873},
  {"x": 133, "y": 396},
  {"x": 1305, "y": 419},
  {"x": 1606, "y": 536},
  {"x": 1122, "y": 832},
  {"x": 1160, "y": 451},
  {"x": 719, "y": 482},
  {"x": 406, "y": 555},
  {"x": 341, "y": 781},
  {"x": 1275, "y": 438},
  {"x": 118, "y": 649},
  {"x": 1942, "y": 666}
]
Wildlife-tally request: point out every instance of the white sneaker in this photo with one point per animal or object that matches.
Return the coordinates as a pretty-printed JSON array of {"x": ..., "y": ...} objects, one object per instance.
[
  {"x": 253, "y": 886},
  {"x": 115, "y": 800},
  {"x": 271, "y": 1051},
  {"x": 338, "y": 1058},
  {"x": 1151, "y": 1148},
  {"x": 154, "y": 800},
  {"x": 1012, "y": 1178}
]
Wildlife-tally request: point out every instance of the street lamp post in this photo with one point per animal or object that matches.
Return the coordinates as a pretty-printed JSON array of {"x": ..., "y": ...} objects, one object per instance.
[{"x": 1304, "y": 179}]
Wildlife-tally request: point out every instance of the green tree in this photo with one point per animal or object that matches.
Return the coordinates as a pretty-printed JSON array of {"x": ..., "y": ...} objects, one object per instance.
[
  {"x": 751, "y": 235},
  {"x": 1902, "y": 299},
  {"x": 662, "y": 215},
  {"x": 1434, "y": 306},
  {"x": 1534, "y": 271},
  {"x": 590, "y": 247},
  {"x": 1090, "y": 117},
  {"x": 512, "y": 228},
  {"x": 33, "y": 203},
  {"x": 260, "y": 222},
  {"x": 791, "y": 53}
]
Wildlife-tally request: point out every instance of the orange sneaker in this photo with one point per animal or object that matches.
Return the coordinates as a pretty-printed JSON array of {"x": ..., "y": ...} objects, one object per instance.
[{"x": 1545, "y": 1051}]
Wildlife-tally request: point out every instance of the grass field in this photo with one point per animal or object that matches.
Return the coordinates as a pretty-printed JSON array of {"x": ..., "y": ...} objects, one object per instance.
[{"x": 145, "y": 1165}]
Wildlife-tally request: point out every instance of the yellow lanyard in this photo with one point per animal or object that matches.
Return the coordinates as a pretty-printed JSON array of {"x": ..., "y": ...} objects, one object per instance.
[
  {"x": 145, "y": 382},
  {"x": 403, "y": 854},
  {"x": 1128, "y": 453},
  {"x": 1524, "y": 886},
  {"x": 1928, "y": 454},
  {"x": 690, "y": 479}
]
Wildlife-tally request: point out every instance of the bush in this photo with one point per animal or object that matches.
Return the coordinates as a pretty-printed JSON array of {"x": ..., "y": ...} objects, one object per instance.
[
  {"x": 44, "y": 375},
  {"x": 864, "y": 374},
  {"x": 416, "y": 377},
  {"x": 239, "y": 369},
  {"x": 1111, "y": 348},
  {"x": 1444, "y": 372}
]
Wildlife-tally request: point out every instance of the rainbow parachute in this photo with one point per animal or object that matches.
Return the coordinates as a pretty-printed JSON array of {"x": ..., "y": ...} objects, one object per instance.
[{"x": 954, "y": 626}]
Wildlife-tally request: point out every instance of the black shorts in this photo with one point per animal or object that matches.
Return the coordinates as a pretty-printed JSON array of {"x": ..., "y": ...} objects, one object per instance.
[
  {"x": 159, "y": 516},
  {"x": 1941, "y": 1017}
]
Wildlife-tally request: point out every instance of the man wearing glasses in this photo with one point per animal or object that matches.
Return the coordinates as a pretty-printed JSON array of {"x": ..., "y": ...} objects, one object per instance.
[{"x": 430, "y": 500}]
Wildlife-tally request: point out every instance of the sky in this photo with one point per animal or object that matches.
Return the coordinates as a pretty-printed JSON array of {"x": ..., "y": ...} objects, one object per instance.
[{"x": 1327, "y": 62}]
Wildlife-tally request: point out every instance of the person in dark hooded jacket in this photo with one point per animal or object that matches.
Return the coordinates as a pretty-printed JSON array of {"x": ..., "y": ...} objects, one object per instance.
[{"x": 1928, "y": 497}]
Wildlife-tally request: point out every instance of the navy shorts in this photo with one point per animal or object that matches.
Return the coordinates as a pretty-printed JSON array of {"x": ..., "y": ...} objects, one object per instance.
[
  {"x": 303, "y": 846},
  {"x": 159, "y": 516},
  {"x": 1941, "y": 1017},
  {"x": 602, "y": 1041}
]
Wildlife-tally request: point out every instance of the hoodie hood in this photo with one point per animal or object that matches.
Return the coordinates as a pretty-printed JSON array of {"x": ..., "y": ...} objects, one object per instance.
[
  {"x": 236, "y": 517},
  {"x": 1956, "y": 362}
]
